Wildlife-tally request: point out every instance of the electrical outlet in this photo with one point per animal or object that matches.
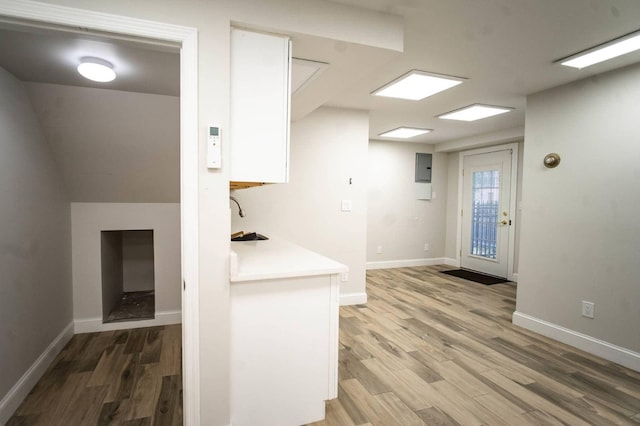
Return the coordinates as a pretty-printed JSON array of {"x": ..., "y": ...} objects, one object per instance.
[
  {"x": 344, "y": 277},
  {"x": 426, "y": 247},
  {"x": 379, "y": 250},
  {"x": 588, "y": 309}
]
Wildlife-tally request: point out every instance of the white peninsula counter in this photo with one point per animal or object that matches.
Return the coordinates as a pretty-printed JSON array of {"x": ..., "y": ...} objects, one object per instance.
[{"x": 284, "y": 333}]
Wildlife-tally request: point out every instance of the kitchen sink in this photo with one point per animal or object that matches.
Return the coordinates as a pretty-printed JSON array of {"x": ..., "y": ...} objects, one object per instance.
[{"x": 250, "y": 236}]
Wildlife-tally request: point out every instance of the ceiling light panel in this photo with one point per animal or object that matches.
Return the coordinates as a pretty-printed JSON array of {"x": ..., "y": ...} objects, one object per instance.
[
  {"x": 404, "y": 132},
  {"x": 474, "y": 112},
  {"x": 618, "y": 47},
  {"x": 417, "y": 85}
]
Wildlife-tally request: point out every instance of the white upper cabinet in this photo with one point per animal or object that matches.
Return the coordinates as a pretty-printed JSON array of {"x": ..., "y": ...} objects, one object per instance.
[{"x": 260, "y": 105}]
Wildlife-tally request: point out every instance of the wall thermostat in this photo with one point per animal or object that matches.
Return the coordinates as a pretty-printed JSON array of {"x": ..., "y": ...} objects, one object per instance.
[{"x": 214, "y": 152}]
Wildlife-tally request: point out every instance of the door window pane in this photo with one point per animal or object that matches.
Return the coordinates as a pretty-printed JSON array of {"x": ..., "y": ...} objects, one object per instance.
[{"x": 484, "y": 218}]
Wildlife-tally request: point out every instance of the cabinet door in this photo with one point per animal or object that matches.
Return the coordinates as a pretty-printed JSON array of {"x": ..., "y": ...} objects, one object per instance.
[
  {"x": 259, "y": 107},
  {"x": 281, "y": 347}
]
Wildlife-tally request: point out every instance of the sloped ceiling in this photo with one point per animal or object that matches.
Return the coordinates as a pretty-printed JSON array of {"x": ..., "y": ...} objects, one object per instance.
[
  {"x": 114, "y": 142},
  {"x": 110, "y": 145}
]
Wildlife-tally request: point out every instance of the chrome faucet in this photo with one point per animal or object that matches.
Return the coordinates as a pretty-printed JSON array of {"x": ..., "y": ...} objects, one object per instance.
[{"x": 240, "y": 212}]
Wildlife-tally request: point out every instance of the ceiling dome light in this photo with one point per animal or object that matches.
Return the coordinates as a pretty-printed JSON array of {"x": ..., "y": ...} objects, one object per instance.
[{"x": 96, "y": 69}]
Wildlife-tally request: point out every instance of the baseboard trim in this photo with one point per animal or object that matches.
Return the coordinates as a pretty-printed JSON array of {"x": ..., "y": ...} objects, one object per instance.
[
  {"x": 353, "y": 299},
  {"x": 606, "y": 350},
  {"x": 514, "y": 277},
  {"x": 93, "y": 325},
  {"x": 406, "y": 263},
  {"x": 451, "y": 262},
  {"x": 23, "y": 386}
]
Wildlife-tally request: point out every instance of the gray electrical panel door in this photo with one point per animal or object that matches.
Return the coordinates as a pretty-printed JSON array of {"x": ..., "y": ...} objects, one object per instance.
[{"x": 423, "y": 167}]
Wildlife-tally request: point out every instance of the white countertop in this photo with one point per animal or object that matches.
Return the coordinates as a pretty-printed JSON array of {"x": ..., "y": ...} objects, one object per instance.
[{"x": 275, "y": 258}]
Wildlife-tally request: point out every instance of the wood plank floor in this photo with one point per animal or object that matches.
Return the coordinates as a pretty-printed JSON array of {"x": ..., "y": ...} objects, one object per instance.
[
  {"x": 426, "y": 349},
  {"x": 126, "y": 377},
  {"x": 432, "y": 349}
]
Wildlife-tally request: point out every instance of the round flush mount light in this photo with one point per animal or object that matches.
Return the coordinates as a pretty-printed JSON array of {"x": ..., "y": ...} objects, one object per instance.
[{"x": 96, "y": 69}]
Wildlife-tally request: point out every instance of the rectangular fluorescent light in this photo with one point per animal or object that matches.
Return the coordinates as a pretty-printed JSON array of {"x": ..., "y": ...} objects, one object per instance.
[
  {"x": 416, "y": 85},
  {"x": 474, "y": 112},
  {"x": 404, "y": 132},
  {"x": 609, "y": 50}
]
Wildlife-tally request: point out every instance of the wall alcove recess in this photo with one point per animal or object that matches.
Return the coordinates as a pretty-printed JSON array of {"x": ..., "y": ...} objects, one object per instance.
[{"x": 128, "y": 281}]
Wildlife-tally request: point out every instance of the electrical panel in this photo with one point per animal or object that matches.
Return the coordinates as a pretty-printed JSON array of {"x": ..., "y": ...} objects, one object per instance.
[{"x": 423, "y": 167}]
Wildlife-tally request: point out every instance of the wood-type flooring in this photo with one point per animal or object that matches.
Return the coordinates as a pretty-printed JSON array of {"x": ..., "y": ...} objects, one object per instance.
[
  {"x": 126, "y": 377},
  {"x": 432, "y": 349},
  {"x": 427, "y": 348}
]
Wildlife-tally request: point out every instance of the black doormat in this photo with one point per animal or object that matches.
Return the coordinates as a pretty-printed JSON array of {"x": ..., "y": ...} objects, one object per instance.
[{"x": 475, "y": 276}]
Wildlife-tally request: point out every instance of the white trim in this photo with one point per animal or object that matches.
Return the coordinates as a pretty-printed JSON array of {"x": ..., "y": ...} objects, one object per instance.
[
  {"x": 451, "y": 262},
  {"x": 512, "y": 203},
  {"x": 21, "y": 389},
  {"x": 189, "y": 165},
  {"x": 514, "y": 277},
  {"x": 353, "y": 299},
  {"x": 606, "y": 350},
  {"x": 95, "y": 325},
  {"x": 189, "y": 213},
  {"x": 407, "y": 263},
  {"x": 73, "y": 17}
]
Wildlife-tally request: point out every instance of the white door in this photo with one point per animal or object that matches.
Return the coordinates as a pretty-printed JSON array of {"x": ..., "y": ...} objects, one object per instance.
[{"x": 486, "y": 219}]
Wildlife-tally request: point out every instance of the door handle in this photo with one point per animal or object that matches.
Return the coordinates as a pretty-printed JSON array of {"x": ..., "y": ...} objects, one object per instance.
[{"x": 504, "y": 222}]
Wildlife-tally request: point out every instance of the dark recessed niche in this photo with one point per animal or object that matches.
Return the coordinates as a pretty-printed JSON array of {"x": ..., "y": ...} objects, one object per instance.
[{"x": 128, "y": 281}]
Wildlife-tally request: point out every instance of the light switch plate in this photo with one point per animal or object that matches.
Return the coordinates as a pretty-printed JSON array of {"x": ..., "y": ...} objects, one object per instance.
[{"x": 346, "y": 205}]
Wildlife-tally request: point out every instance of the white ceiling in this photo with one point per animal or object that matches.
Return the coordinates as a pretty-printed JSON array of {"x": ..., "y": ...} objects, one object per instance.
[
  {"x": 49, "y": 56},
  {"x": 505, "y": 48}
]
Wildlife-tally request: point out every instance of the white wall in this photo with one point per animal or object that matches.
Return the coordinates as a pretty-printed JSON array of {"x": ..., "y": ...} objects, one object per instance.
[
  {"x": 111, "y": 270},
  {"x": 580, "y": 227},
  {"x": 35, "y": 238},
  {"x": 328, "y": 147},
  {"x": 518, "y": 219},
  {"x": 88, "y": 219},
  {"x": 396, "y": 220},
  {"x": 112, "y": 146},
  {"x": 137, "y": 260}
]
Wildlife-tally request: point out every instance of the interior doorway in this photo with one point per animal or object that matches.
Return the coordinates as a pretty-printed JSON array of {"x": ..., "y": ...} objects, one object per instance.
[
  {"x": 53, "y": 16},
  {"x": 487, "y": 216}
]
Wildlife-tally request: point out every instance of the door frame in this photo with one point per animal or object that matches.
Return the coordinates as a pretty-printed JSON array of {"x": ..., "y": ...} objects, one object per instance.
[
  {"x": 187, "y": 37},
  {"x": 512, "y": 202}
]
